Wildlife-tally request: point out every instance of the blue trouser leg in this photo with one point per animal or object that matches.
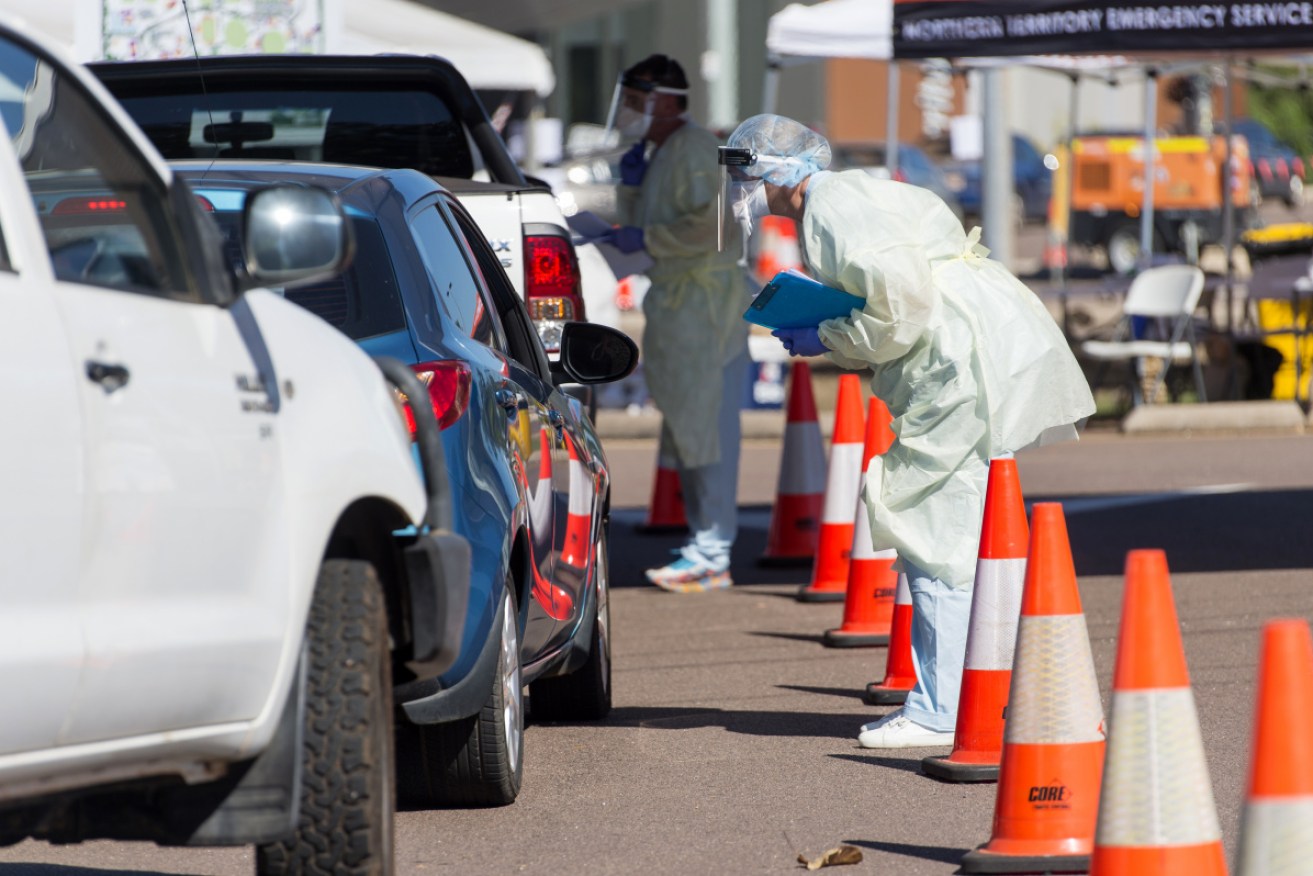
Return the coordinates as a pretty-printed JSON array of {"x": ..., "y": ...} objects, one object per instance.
[
  {"x": 941, "y": 616},
  {"x": 711, "y": 491}
]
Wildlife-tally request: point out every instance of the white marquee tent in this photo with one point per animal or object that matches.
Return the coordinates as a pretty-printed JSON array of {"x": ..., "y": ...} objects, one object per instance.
[{"x": 488, "y": 58}]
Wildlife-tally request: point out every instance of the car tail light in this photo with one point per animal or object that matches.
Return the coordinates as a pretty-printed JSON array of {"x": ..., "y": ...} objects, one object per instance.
[
  {"x": 1264, "y": 169},
  {"x": 552, "y": 285},
  {"x": 448, "y": 383},
  {"x": 87, "y": 206},
  {"x": 899, "y": 176},
  {"x": 205, "y": 203},
  {"x": 1299, "y": 167}
]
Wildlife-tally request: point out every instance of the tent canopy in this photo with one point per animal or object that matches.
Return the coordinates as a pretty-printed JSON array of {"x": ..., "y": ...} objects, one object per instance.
[
  {"x": 489, "y": 59},
  {"x": 835, "y": 29}
]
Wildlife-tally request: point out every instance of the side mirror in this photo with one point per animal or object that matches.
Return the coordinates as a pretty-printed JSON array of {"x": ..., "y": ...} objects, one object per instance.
[
  {"x": 295, "y": 234},
  {"x": 592, "y": 353}
]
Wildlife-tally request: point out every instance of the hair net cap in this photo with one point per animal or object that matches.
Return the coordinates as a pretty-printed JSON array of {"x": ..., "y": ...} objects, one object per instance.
[{"x": 787, "y": 151}]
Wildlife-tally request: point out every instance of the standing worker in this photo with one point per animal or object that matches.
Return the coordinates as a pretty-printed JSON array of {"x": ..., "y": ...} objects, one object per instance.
[
  {"x": 968, "y": 360},
  {"x": 695, "y": 340}
]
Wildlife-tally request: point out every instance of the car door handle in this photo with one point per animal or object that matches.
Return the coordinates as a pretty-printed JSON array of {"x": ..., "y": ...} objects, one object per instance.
[
  {"x": 110, "y": 377},
  {"x": 509, "y": 400},
  {"x": 557, "y": 421}
]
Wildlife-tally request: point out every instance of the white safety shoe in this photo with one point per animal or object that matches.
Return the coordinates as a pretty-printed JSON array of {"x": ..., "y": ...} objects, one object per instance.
[{"x": 896, "y": 730}]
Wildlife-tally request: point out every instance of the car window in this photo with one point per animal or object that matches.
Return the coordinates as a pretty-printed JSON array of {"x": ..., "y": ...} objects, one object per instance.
[
  {"x": 376, "y": 128},
  {"x": 456, "y": 284},
  {"x": 1025, "y": 151},
  {"x": 105, "y": 213},
  {"x": 525, "y": 346}
]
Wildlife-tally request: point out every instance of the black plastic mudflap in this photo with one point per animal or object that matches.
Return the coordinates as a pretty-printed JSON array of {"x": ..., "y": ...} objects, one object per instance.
[{"x": 438, "y": 569}]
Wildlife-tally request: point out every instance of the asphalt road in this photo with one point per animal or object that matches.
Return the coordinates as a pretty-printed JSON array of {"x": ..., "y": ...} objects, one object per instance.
[{"x": 731, "y": 747}]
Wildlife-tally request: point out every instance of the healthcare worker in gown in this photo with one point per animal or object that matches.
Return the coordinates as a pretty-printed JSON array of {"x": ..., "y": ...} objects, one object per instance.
[
  {"x": 968, "y": 360},
  {"x": 695, "y": 340}
]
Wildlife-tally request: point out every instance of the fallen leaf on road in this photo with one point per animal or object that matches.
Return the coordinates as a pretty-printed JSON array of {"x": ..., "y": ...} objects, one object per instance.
[{"x": 833, "y": 858}]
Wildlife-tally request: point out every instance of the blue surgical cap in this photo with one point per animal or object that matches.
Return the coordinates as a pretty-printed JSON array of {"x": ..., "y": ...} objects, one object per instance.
[{"x": 787, "y": 151}]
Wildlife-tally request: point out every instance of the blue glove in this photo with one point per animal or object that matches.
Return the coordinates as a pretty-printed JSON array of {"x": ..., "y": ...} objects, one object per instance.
[
  {"x": 802, "y": 341},
  {"x": 633, "y": 165},
  {"x": 627, "y": 238}
]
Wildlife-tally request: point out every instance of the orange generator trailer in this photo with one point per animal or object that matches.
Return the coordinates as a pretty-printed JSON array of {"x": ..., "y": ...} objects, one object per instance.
[{"x": 1107, "y": 194}]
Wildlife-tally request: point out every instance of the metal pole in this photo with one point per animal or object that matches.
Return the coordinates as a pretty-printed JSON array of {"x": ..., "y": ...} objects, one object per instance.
[
  {"x": 1069, "y": 181},
  {"x": 1228, "y": 199},
  {"x": 722, "y": 40},
  {"x": 891, "y": 120},
  {"x": 996, "y": 194},
  {"x": 1150, "y": 151},
  {"x": 770, "y": 88}
]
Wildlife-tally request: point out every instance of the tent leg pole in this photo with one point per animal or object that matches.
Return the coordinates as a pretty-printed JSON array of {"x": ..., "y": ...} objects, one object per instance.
[
  {"x": 1150, "y": 150},
  {"x": 891, "y": 119}
]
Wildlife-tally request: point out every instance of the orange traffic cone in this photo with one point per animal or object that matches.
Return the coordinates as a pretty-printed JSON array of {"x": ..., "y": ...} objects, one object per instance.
[
  {"x": 992, "y": 634},
  {"x": 868, "y": 607},
  {"x": 899, "y": 670},
  {"x": 665, "y": 513},
  {"x": 1156, "y": 812},
  {"x": 791, "y": 539},
  {"x": 842, "y": 491},
  {"x": 1276, "y": 830},
  {"x": 579, "y": 519},
  {"x": 1053, "y": 745}
]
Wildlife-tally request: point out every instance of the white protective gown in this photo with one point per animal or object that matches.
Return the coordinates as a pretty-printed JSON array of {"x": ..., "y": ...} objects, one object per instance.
[
  {"x": 694, "y": 308},
  {"x": 967, "y": 358}
]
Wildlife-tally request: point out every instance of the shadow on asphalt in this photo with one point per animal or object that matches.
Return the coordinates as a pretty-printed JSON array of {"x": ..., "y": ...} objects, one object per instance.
[
  {"x": 928, "y": 853},
  {"x": 846, "y": 693},
  {"x": 61, "y": 870},
  {"x": 790, "y": 637},
  {"x": 905, "y": 764},
  {"x": 1217, "y": 532},
  {"x": 751, "y": 723}
]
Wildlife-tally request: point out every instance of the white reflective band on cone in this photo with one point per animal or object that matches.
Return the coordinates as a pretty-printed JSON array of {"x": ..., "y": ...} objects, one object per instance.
[
  {"x": 1156, "y": 790},
  {"x": 844, "y": 483},
  {"x": 1054, "y": 697},
  {"x": 995, "y": 610},
  {"x": 1276, "y": 837},
  {"x": 903, "y": 595},
  {"x": 802, "y": 472},
  {"x": 581, "y": 491}
]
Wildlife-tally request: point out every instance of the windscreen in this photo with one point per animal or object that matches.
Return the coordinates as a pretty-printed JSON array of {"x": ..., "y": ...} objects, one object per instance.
[{"x": 375, "y": 128}]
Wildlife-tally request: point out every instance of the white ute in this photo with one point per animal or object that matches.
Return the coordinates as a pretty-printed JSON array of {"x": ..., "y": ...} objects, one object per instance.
[{"x": 214, "y": 541}]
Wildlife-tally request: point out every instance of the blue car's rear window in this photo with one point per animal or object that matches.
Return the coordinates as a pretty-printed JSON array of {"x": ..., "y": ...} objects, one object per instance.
[{"x": 363, "y": 301}]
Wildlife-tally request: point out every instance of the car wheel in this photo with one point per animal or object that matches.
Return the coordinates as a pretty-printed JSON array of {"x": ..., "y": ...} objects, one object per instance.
[
  {"x": 347, "y": 796},
  {"x": 1123, "y": 249},
  {"x": 585, "y": 694},
  {"x": 479, "y": 760}
]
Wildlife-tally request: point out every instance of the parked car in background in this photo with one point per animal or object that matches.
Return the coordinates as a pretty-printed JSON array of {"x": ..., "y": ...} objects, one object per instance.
[
  {"x": 386, "y": 111},
  {"x": 914, "y": 167},
  {"x": 587, "y": 182},
  {"x": 1032, "y": 183},
  {"x": 1276, "y": 169},
  {"x": 530, "y": 482},
  {"x": 217, "y": 551}
]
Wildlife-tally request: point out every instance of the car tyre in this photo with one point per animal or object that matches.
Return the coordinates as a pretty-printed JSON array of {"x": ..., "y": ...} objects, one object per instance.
[
  {"x": 479, "y": 760},
  {"x": 347, "y": 795},
  {"x": 585, "y": 694},
  {"x": 1295, "y": 197},
  {"x": 1123, "y": 249}
]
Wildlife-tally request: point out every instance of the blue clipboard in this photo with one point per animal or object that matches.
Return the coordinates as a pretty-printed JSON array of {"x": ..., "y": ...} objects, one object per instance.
[{"x": 791, "y": 300}]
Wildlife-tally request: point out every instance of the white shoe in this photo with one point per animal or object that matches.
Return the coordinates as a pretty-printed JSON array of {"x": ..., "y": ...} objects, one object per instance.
[{"x": 896, "y": 730}]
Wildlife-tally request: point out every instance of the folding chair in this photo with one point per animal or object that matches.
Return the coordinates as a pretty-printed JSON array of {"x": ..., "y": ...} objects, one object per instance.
[{"x": 1160, "y": 304}]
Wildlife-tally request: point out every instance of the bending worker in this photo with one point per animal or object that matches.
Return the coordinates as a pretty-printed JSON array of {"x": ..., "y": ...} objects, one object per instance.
[
  {"x": 967, "y": 359},
  {"x": 695, "y": 340}
]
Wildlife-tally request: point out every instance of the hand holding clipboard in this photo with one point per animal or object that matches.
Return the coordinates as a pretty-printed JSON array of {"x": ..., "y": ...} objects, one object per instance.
[{"x": 793, "y": 300}]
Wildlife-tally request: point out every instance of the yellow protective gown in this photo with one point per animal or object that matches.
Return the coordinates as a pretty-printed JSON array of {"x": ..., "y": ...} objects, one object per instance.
[
  {"x": 694, "y": 308},
  {"x": 967, "y": 358}
]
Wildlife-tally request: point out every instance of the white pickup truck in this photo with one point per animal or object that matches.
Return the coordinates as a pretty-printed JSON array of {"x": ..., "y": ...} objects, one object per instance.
[
  {"x": 205, "y": 576},
  {"x": 387, "y": 111}
]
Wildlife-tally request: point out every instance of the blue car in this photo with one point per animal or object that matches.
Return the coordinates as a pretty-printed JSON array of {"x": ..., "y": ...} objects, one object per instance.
[
  {"x": 529, "y": 479},
  {"x": 1277, "y": 170},
  {"x": 1032, "y": 183}
]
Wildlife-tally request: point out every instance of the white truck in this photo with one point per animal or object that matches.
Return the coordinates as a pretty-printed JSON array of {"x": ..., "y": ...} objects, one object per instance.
[{"x": 214, "y": 542}]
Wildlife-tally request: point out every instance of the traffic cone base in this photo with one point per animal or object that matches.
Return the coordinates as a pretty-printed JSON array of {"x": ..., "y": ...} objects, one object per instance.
[
  {"x": 809, "y": 594},
  {"x": 973, "y": 759},
  {"x": 883, "y": 695}
]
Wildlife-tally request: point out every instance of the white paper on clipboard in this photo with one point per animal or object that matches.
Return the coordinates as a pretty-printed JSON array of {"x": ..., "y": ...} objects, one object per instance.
[{"x": 589, "y": 228}]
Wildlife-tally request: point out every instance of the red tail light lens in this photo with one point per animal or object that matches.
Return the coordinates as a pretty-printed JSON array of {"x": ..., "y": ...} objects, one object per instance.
[
  {"x": 1265, "y": 169},
  {"x": 552, "y": 271},
  {"x": 1299, "y": 167},
  {"x": 448, "y": 382},
  {"x": 205, "y": 203}
]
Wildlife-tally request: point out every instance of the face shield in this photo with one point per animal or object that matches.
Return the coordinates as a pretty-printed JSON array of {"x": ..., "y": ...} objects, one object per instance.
[
  {"x": 630, "y": 114},
  {"x": 736, "y": 187}
]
